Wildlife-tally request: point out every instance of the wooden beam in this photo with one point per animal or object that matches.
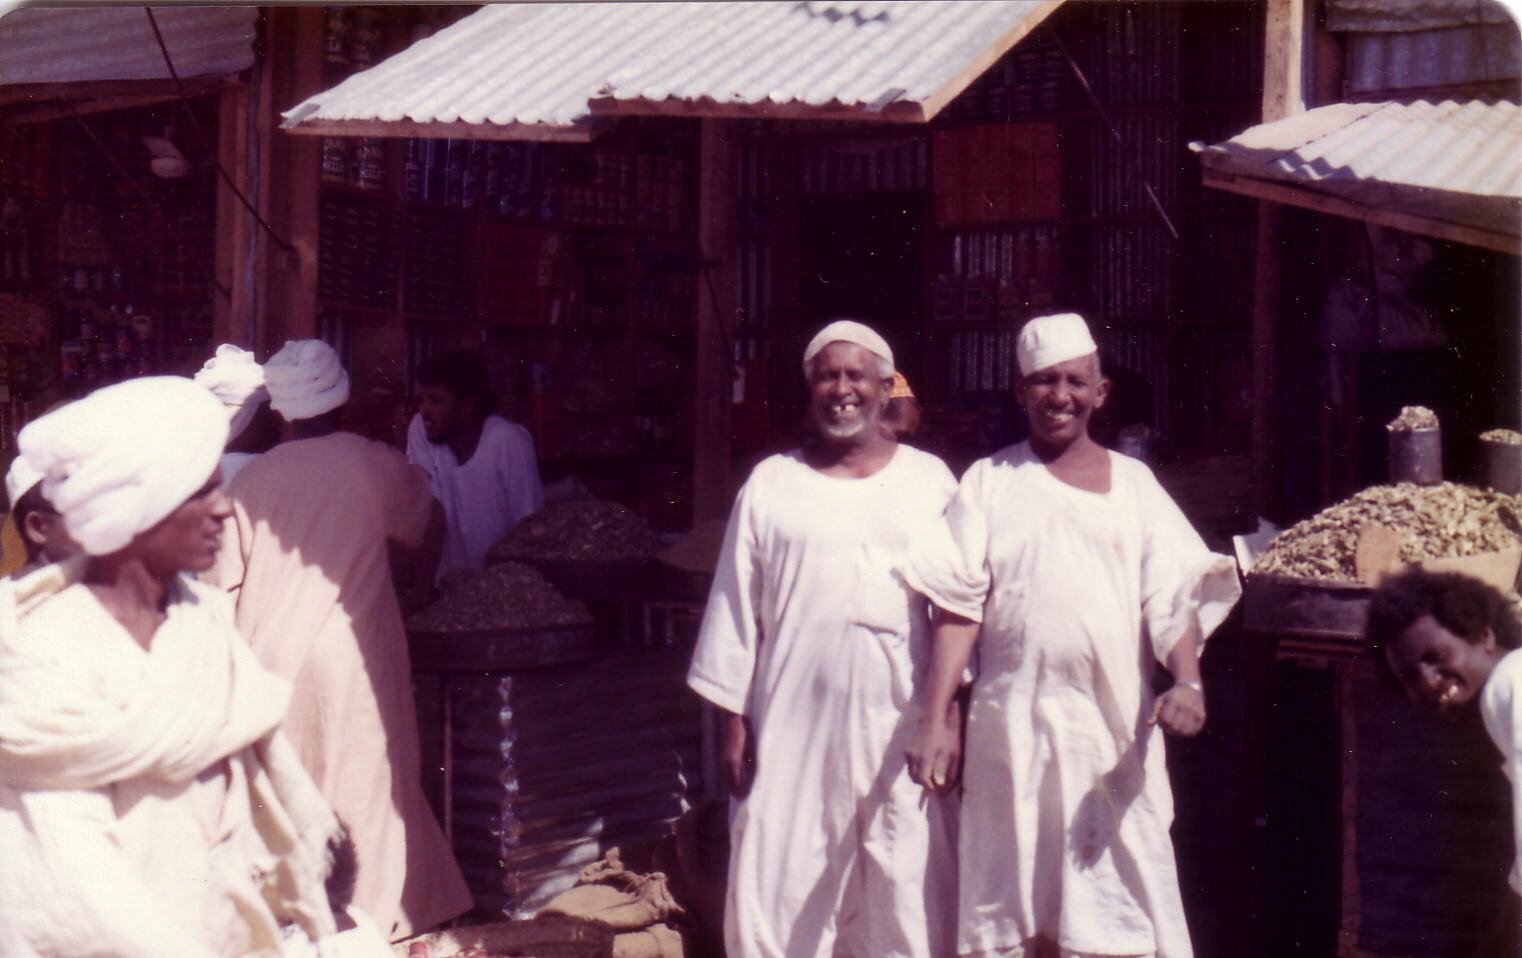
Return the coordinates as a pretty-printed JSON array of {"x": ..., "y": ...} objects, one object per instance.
[
  {"x": 230, "y": 318},
  {"x": 87, "y": 107},
  {"x": 717, "y": 238},
  {"x": 898, "y": 112},
  {"x": 1283, "y": 60},
  {"x": 459, "y": 130},
  {"x": 293, "y": 69},
  {"x": 1335, "y": 206},
  {"x": 46, "y": 93},
  {"x": 1283, "y": 96}
]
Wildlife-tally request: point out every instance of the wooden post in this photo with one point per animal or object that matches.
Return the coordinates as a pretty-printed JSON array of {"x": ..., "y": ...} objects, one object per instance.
[
  {"x": 717, "y": 234},
  {"x": 1283, "y": 55},
  {"x": 292, "y": 70},
  {"x": 231, "y": 313}
]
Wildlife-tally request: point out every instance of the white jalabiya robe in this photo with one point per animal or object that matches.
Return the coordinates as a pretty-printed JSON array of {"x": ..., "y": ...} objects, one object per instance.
[
  {"x": 484, "y": 496},
  {"x": 810, "y": 635},
  {"x": 148, "y": 806},
  {"x": 1501, "y": 708},
  {"x": 1066, "y": 805}
]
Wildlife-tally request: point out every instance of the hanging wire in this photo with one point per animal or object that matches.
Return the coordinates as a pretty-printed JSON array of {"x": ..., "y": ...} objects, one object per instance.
[
  {"x": 206, "y": 146},
  {"x": 1088, "y": 91}
]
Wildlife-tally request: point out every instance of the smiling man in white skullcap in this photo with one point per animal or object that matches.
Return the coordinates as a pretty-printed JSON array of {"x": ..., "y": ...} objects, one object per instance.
[
  {"x": 815, "y": 653},
  {"x": 307, "y": 556},
  {"x": 1074, "y": 574},
  {"x": 237, "y": 381},
  {"x": 148, "y": 804},
  {"x": 33, "y": 533}
]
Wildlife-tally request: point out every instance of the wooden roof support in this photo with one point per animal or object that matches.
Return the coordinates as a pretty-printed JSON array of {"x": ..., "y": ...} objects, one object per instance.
[
  {"x": 1291, "y": 195},
  {"x": 718, "y": 217},
  {"x": 1283, "y": 95}
]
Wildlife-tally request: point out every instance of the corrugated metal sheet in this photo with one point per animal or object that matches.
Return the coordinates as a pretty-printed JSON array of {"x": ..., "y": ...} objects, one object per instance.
[
  {"x": 1423, "y": 59},
  {"x": 1395, "y": 15},
  {"x": 68, "y": 45},
  {"x": 1456, "y": 161},
  {"x": 535, "y": 68}
]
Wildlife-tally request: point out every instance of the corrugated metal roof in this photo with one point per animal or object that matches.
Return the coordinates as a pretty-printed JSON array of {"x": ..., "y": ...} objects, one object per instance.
[
  {"x": 1456, "y": 161},
  {"x": 1387, "y": 15},
  {"x": 534, "y": 69},
  {"x": 1422, "y": 59},
  {"x": 69, "y": 45}
]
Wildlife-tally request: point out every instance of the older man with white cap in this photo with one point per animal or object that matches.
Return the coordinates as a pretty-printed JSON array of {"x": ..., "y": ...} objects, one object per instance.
[
  {"x": 148, "y": 804},
  {"x": 815, "y": 653},
  {"x": 33, "y": 533},
  {"x": 1075, "y": 576},
  {"x": 232, "y": 375},
  {"x": 307, "y": 555}
]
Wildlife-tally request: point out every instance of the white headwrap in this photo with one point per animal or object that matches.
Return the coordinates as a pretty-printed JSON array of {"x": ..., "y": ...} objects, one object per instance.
[
  {"x": 305, "y": 379},
  {"x": 21, "y": 476},
  {"x": 238, "y": 383},
  {"x": 119, "y": 460},
  {"x": 847, "y": 331},
  {"x": 1049, "y": 340}
]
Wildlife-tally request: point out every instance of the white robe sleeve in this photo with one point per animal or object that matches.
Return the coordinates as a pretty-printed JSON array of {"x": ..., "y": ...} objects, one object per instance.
[
  {"x": 948, "y": 564},
  {"x": 518, "y": 465},
  {"x": 1183, "y": 583},
  {"x": 1501, "y": 708},
  {"x": 724, "y": 661},
  {"x": 417, "y": 445}
]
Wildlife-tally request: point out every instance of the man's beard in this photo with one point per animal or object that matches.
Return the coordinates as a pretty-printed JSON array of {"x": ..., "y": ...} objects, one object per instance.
[{"x": 852, "y": 433}]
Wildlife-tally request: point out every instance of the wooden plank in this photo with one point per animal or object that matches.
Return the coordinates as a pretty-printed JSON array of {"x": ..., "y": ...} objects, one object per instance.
[
  {"x": 717, "y": 238},
  {"x": 1035, "y": 15},
  {"x": 1283, "y": 59},
  {"x": 899, "y": 112},
  {"x": 293, "y": 70},
  {"x": 1322, "y": 203},
  {"x": 41, "y": 93},
  {"x": 87, "y": 107},
  {"x": 231, "y": 314},
  {"x": 458, "y": 130}
]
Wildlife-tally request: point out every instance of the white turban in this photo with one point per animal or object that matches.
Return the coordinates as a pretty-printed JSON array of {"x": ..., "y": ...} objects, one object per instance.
[
  {"x": 121, "y": 459},
  {"x": 1049, "y": 340},
  {"x": 21, "y": 476},
  {"x": 305, "y": 379},
  {"x": 847, "y": 331},
  {"x": 238, "y": 383}
]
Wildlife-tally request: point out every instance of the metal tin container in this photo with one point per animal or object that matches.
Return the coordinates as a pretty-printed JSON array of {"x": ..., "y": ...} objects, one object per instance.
[
  {"x": 1416, "y": 455},
  {"x": 1501, "y": 466}
]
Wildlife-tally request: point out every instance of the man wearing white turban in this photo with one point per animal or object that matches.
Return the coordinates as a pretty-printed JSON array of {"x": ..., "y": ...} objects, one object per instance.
[
  {"x": 1075, "y": 575},
  {"x": 39, "y": 535},
  {"x": 149, "y": 805},
  {"x": 307, "y": 556},
  {"x": 232, "y": 375},
  {"x": 814, "y": 653}
]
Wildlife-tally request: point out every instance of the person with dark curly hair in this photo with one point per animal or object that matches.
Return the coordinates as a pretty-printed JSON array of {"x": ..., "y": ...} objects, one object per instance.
[{"x": 1452, "y": 642}]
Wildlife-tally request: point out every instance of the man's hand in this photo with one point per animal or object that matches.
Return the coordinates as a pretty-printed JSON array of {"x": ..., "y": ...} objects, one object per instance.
[
  {"x": 935, "y": 752},
  {"x": 1180, "y": 711},
  {"x": 737, "y": 761}
]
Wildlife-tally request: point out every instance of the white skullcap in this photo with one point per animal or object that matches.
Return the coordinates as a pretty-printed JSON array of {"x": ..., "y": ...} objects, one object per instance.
[
  {"x": 305, "y": 379},
  {"x": 847, "y": 331},
  {"x": 21, "y": 476},
  {"x": 1049, "y": 340},
  {"x": 121, "y": 459},
  {"x": 238, "y": 383}
]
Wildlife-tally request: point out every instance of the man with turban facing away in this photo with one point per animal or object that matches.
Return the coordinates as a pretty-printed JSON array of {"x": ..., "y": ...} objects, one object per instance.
[
  {"x": 149, "y": 805},
  {"x": 307, "y": 557}
]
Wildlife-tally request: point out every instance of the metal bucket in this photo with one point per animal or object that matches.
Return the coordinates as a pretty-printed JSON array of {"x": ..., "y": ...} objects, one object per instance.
[
  {"x": 1416, "y": 455},
  {"x": 1501, "y": 466}
]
